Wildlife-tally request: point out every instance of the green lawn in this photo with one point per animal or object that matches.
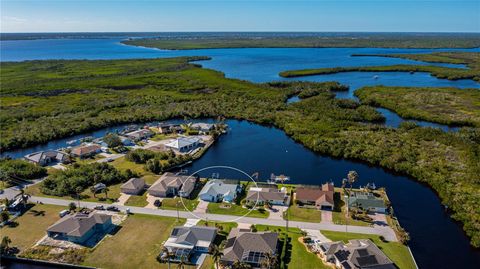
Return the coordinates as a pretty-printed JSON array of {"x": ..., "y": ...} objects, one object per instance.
[
  {"x": 135, "y": 245},
  {"x": 31, "y": 225},
  {"x": 122, "y": 164},
  {"x": 236, "y": 210},
  {"x": 339, "y": 213},
  {"x": 137, "y": 200},
  {"x": 396, "y": 251},
  {"x": 299, "y": 256},
  {"x": 171, "y": 203},
  {"x": 86, "y": 195},
  {"x": 296, "y": 213}
]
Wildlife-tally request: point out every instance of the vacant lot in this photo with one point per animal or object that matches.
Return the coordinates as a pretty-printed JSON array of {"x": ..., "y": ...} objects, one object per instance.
[
  {"x": 31, "y": 225},
  {"x": 396, "y": 251},
  {"x": 135, "y": 245},
  {"x": 296, "y": 213}
]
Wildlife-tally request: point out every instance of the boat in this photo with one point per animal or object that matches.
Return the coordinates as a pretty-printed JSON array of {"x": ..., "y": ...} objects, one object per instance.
[
  {"x": 72, "y": 142},
  {"x": 280, "y": 178},
  {"x": 375, "y": 77},
  {"x": 371, "y": 186}
]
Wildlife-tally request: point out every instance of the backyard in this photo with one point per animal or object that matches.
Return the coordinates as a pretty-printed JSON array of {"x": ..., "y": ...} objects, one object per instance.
[{"x": 396, "y": 251}]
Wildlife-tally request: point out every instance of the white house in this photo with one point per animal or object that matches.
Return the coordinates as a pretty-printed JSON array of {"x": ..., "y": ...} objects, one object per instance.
[
  {"x": 184, "y": 144},
  {"x": 217, "y": 191}
]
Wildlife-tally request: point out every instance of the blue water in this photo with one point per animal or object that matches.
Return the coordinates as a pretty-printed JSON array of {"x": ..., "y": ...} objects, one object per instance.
[{"x": 437, "y": 242}]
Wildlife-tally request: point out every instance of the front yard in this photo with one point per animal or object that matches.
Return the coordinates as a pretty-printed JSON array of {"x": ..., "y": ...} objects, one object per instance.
[
  {"x": 296, "y": 213},
  {"x": 396, "y": 251},
  {"x": 136, "y": 244},
  {"x": 236, "y": 210},
  {"x": 32, "y": 225},
  {"x": 339, "y": 214}
]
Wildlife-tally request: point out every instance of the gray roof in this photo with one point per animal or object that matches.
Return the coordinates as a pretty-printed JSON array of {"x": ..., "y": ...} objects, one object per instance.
[
  {"x": 42, "y": 155},
  {"x": 362, "y": 253},
  {"x": 241, "y": 242},
  {"x": 202, "y": 126},
  {"x": 191, "y": 236},
  {"x": 133, "y": 184},
  {"x": 266, "y": 194},
  {"x": 365, "y": 200},
  {"x": 173, "y": 181},
  {"x": 78, "y": 224},
  {"x": 215, "y": 187},
  {"x": 182, "y": 142}
]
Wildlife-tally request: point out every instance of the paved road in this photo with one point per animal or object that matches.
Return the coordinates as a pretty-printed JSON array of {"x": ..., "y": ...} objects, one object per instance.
[{"x": 385, "y": 231}]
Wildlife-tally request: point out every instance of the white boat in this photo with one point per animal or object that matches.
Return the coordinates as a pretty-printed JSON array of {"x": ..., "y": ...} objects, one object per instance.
[
  {"x": 375, "y": 77},
  {"x": 279, "y": 178}
]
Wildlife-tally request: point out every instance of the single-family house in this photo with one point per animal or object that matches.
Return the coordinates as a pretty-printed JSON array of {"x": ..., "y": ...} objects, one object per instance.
[
  {"x": 203, "y": 128},
  {"x": 87, "y": 150},
  {"x": 170, "y": 184},
  {"x": 126, "y": 141},
  {"x": 43, "y": 158},
  {"x": 184, "y": 144},
  {"x": 80, "y": 227},
  {"x": 357, "y": 254},
  {"x": 164, "y": 128},
  {"x": 319, "y": 197},
  {"x": 272, "y": 195},
  {"x": 249, "y": 247},
  {"x": 187, "y": 241},
  {"x": 367, "y": 201},
  {"x": 217, "y": 190},
  {"x": 133, "y": 186},
  {"x": 139, "y": 134}
]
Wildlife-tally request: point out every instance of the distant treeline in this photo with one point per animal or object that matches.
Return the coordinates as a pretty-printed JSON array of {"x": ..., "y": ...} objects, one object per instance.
[{"x": 44, "y": 100}]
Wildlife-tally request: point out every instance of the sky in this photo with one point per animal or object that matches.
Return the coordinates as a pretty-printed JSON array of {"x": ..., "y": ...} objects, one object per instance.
[{"x": 235, "y": 15}]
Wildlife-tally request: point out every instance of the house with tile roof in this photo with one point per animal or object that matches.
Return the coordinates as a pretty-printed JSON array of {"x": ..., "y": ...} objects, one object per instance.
[
  {"x": 170, "y": 185},
  {"x": 357, "y": 254},
  {"x": 85, "y": 151},
  {"x": 249, "y": 247},
  {"x": 188, "y": 241},
  {"x": 80, "y": 227},
  {"x": 318, "y": 197},
  {"x": 133, "y": 186},
  {"x": 218, "y": 190}
]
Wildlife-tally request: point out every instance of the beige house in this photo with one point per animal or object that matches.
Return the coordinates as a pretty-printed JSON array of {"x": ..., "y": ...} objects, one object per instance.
[
  {"x": 133, "y": 186},
  {"x": 170, "y": 184}
]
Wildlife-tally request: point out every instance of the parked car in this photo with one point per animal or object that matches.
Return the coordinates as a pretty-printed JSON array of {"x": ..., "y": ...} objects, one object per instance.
[
  {"x": 109, "y": 160},
  {"x": 113, "y": 208},
  {"x": 63, "y": 213},
  {"x": 99, "y": 207}
]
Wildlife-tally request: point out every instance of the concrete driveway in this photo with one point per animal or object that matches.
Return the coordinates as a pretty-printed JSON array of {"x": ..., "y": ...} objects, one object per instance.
[
  {"x": 201, "y": 207},
  {"x": 122, "y": 199},
  {"x": 276, "y": 212},
  {"x": 327, "y": 216}
]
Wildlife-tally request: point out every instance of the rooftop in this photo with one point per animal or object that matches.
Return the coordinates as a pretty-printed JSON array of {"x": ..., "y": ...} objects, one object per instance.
[{"x": 78, "y": 224}]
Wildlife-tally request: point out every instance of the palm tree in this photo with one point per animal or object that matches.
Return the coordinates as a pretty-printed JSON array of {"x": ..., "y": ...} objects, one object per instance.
[
  {"x": 24, "y": 196},
  {"x": 182, "y": 262},
  {"x": 269, "y": 260},
  {"x": 240, "y": 265},
  {"x": 216, "y": 255},
  {"x": 94, "y": 191},
  {"x": 106, "y": 192},
  {"x": 168, "y": 256},
  {"x": 4, "y": 216},
  {"x": 352, "y": 176},
  {"x": 5, "y": 245}
]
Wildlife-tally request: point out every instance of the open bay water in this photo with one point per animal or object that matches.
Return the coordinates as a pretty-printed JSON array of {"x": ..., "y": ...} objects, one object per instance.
[{"x": 437, "y": 241}]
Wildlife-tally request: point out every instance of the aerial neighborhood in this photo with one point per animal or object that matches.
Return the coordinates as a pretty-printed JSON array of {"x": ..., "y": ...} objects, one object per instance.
[{"x": 142, "y": 168}]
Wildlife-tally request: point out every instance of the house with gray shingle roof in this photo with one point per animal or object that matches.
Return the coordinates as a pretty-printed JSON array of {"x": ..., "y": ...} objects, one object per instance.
[
  {"x": 186, "y": 241},
  {"x": 46, "y": 157},
  {"x": 274, "y": 196},
  {"x": 170, "y": 184},
  {"x": 357, "y": 254},
  {"x": 133, "y": 186},
  {"x": 218, "y": 190},
  {"x": 80, "y": 227},
  {"x": 367, "y": 201},
  {"x": 249, "y": 247}
]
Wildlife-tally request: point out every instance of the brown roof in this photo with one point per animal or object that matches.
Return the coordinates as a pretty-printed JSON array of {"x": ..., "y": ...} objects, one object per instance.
[
  {"x": 78, "y": 224},
  {"x": 85, "y": 149},
  {"x": 325, "y": 193}
]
